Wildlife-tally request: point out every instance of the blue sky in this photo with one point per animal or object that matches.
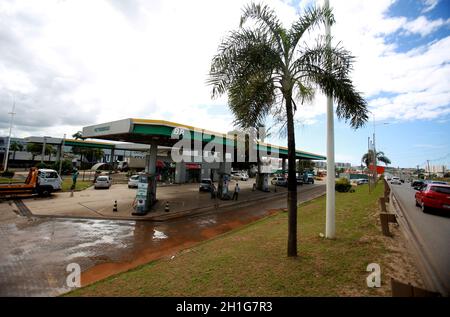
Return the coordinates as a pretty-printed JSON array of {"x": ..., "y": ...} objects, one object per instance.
[
  {"x": 150, "y": 59},
  {"x": 408, "y": 142}
]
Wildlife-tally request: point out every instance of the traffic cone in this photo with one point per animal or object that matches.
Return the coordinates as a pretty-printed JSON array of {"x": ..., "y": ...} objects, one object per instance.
[
  {"x": 166, "y": 207},
  {"x": 115, "y": 206}
]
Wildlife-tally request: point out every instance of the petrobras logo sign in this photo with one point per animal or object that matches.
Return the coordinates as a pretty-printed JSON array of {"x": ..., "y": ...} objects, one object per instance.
[
  {"x": 115, "y": 127},
  {"x": 101, "y": 129}
]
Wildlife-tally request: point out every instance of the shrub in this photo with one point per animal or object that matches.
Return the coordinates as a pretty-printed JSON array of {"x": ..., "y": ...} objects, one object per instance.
[
  {"x": 41, "y": 165},
  {"x": 8, "y": 174},
  {"x": 66, "y": 167},
  {"x": 343, "y": 185}
]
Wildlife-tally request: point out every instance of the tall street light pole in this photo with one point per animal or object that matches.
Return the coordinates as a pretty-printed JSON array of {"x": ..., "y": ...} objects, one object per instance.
[
  {"x": 330, "y": 229},
  {"x": 12, "y": 113}
]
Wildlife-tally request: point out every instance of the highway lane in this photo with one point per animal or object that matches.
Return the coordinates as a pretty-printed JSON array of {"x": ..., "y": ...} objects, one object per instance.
[{"x": 432, "y": 229}]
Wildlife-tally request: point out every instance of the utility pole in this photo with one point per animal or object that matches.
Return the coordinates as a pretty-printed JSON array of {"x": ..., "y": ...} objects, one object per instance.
[
  {"x": 12, "y": 113},
  {"x": 429, "y": 170},
  {"x": 368, "y": 164},
  {"x": 375, "y": 173},
  {"x": 330, "y": 229}
]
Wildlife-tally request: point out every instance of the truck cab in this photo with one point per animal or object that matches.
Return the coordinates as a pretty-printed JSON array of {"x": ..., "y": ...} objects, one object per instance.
[
  {"x": 39, "y": 181},
  {"x": 48, "y": 181}
]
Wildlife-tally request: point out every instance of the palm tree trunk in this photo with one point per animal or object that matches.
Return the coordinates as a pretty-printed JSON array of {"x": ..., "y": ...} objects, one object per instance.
[
  {"x": 292, "y": 183},
  {"x": 259, "y": 179}
]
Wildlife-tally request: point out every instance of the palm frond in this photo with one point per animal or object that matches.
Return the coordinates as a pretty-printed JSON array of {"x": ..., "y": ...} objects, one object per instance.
[
  {"x": 310, "y": 19},
  {"x": 329, "y": 69},
  {"x": 267, "y": 21}
]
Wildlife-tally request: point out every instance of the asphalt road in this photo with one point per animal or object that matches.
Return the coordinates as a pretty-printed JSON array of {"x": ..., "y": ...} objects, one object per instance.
[
  {"x": 432, "y": 230},
  {"x": 35, "y": 252}
]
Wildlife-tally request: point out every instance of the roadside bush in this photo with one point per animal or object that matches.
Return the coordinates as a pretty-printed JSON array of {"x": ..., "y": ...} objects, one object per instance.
[
  {"x": 41, "y": 165},
  {"x": 8, "y": 174},
  {"x": 343, "y": 185},
  {"x": 66, "y": 167}
]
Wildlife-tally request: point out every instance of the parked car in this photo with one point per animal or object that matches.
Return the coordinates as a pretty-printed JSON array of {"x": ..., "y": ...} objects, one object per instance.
[
  {"x": 279, "y": 181},
  {"x": 239, "y": 176},
  {"x": 205, "y": 185},
  {"x": 133, "y": 181},
  {"x": 299, "y": 179},
  {"x": 103, "y": 181},
  {"x": 433, "y": 196},
  {"x": 396, "y": 180},
  {"x": 417, "y": 184},
  {"x": 362, "y": 181},
  {"x": 308, "y": 178},
  {"x": 438, "y": 182}
]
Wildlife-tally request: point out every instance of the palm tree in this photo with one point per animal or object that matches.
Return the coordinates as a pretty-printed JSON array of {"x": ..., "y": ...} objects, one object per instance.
[
  {"x": 264, "y": 70},
  {"x": 367, "y": 158},
  {"x": 49, "y": 149},
  {"x": 34, "y": 149},
  {"x": 77, "y": 135},
  {"x": 14, "y": 147}
]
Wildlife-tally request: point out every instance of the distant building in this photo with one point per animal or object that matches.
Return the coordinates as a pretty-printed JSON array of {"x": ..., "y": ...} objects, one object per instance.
[
  {"x": 323, "y": 165},
  {"x": 439, "y": 170}
]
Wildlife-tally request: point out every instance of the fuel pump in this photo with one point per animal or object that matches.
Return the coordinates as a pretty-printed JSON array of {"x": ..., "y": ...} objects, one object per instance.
[
  {"x": 224, "y": 181},
  {"x": 145, "y": 194},
  {"x": 265, "y": 184}
]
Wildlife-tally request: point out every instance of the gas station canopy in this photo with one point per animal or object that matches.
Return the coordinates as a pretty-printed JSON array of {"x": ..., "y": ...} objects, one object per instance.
[{"x": 146, "y": 131}]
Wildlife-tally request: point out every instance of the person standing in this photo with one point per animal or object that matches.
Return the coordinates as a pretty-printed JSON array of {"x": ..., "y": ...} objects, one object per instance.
[
  {"x": 214, "y": 196},
  {"x": 74, "y": 178},
  {"x": 236, "y": 192}
]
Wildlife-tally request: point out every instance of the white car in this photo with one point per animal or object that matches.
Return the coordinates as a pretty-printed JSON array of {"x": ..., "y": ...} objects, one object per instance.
[
  {"x": 103, "y": 182},
  {"x": 279, "y": 181},
  {"x": 396, "y": 180},
  {"x": 239, "y": 176},
  {"x": 362, "y": 181},
  {"x": 133, "y": 181}
]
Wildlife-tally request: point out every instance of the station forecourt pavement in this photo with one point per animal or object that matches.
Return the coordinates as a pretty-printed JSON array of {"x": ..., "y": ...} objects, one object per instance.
[{"x": 183, "y": 199}]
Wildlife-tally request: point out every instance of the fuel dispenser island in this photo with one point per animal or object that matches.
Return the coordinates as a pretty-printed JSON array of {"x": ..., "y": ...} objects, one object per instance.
[
  {"x": 223, "y": 191},
  {"x": 265, "y": 182},
  {"x": 145, "y": 194}
]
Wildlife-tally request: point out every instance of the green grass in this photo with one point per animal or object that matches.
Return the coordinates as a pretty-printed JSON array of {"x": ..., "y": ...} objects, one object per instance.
[
  {"x": 67, "y": 183},
  {"x": 252, "y": 261},
  {"x": 81, "y": 185},
  {"x": 7, "y": 180}
]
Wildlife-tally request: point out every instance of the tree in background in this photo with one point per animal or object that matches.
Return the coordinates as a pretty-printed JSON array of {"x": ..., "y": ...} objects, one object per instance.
[
  {"x": 90, "y": 154},
  {"x": 264, "y": 70},
  {"x": 367, "y": 158},
  {"x": 14, "y": 147},
  {"x": 49, "y": 150},
  {"x": 34, "y": 149},
  {"x": 305, "y": 165},
  {"x": 78, "y": 135}
]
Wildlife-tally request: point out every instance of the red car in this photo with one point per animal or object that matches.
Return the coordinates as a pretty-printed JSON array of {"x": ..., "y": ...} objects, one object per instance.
[{"x": 434, "y": 196}]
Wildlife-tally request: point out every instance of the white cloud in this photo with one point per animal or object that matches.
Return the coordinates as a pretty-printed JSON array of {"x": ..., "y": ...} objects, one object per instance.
[
  {"x": 423, "y": 26},
  {"x": 93, "y": 61},
  {"x": 429, "y": 5},
  {"x": 417, "y": 80}
]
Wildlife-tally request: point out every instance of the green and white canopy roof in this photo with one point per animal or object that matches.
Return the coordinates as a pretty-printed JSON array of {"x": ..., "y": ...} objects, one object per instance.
[{"x": 146, "y": 131}]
